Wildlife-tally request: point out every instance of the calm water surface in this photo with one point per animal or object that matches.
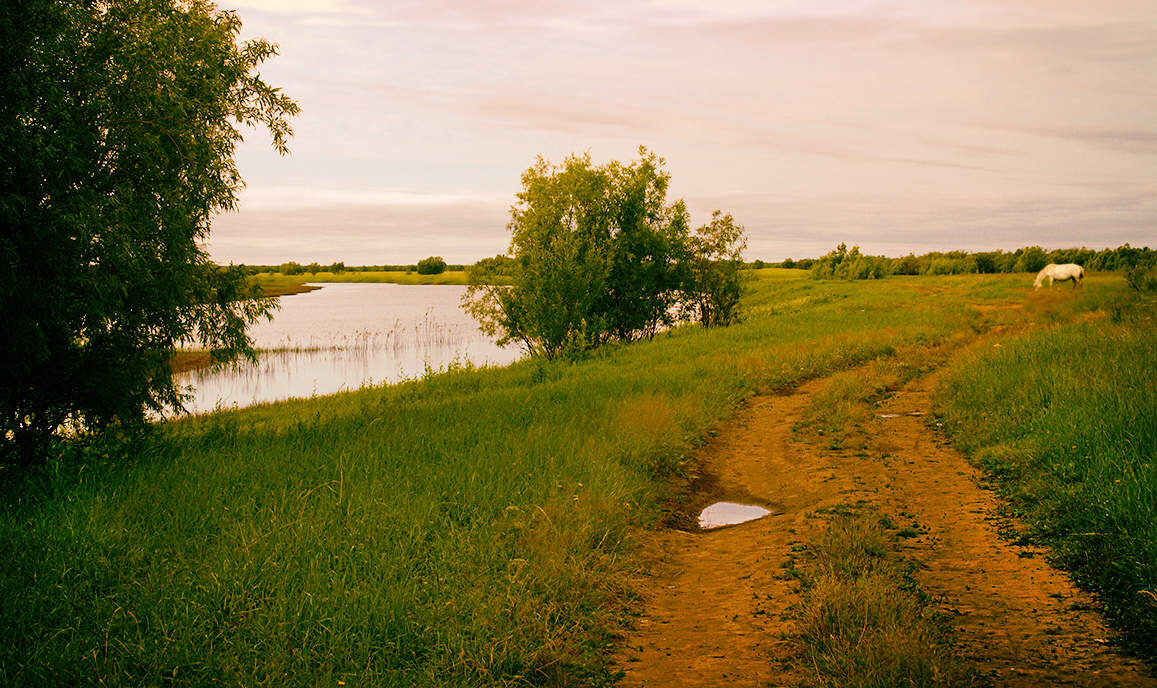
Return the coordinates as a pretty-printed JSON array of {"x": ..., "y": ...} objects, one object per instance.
[{"x": 346, "y": 336}]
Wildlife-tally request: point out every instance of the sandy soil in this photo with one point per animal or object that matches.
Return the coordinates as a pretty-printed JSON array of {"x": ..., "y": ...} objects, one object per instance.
[{"x": 718, "y": 604}]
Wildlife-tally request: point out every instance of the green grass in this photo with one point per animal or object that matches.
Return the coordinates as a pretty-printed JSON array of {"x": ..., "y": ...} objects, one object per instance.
[
  {"x": 838, "y": 411},
  {"x": 474, "y": 528},
  {"x": 1064, "y": 420},
  {"x": 863, "y": 618}
]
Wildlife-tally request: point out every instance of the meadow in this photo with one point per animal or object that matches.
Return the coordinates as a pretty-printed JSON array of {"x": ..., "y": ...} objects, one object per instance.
[{"x": 479, "y": 526}]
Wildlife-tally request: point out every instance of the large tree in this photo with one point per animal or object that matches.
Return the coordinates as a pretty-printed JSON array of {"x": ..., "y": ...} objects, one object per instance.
[
  {"x": 598, "y": 254},
  {"x": 595, "y": 257},
  {"x": 118, "y": 122}
]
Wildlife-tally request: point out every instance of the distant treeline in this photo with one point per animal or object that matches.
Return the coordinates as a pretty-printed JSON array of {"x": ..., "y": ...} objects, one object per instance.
[
  {"x": 292, "y": 268},
  {"x": 845, "y": 263},
  {"x": 841, "y": 263}
]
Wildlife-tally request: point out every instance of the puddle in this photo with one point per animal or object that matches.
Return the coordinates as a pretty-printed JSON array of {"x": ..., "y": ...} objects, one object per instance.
[
  {"x": 888, "y": 415},
  {"x": 722, "y": 514}
]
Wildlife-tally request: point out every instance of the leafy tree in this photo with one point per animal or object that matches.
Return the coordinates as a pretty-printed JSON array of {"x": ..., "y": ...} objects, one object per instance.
[
  {"x": 908, "y": 265},
  {"x": 597, "y": 255},
  {"x": 714, "y": 282},
  {"x": 646, "y": 241},
  {"x": 850, "y": 265},
  {"x": 434, "y": 265},
  {"x": 118, "y": 122},
  {"x": 1030, "y": 259}
]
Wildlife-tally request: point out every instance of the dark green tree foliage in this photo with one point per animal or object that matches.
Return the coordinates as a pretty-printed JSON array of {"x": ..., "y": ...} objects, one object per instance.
[
  {"x": 844, "y": 264},
  {"x": 646, "y": 240},
  {"x": 1030, "y": 259},
  {"x": 434, "y": 265},
  {"x": 714, "y": 283},
  {"x": 118, "y": 122},
  {"x": 597, "y": 254},
  {"x": 850, "y": 265}
]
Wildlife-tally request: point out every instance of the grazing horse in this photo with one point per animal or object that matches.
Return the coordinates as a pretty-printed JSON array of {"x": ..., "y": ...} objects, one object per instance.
[{"x": 1060, "y": 273}]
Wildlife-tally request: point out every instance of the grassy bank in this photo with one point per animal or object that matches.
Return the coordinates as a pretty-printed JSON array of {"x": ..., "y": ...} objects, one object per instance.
[
  {"x": 278, "y": 281},
  {"x": 474, "y": 528},
  {"x": 1065, "y": 423}
]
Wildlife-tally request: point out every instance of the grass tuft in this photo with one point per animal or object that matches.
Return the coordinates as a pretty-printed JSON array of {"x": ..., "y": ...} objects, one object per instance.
[{"x": 864, "y": 620}]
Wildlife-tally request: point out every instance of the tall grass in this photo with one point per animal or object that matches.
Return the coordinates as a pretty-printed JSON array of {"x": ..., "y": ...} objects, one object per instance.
[
  {"x": 1065, "y": 422},
  {"x": 473, "y": 528}
]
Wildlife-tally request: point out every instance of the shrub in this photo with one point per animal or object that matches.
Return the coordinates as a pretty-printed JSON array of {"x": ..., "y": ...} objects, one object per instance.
[
  {"x": 850, "y": 265},
  {"x": 434, "y": 265}
]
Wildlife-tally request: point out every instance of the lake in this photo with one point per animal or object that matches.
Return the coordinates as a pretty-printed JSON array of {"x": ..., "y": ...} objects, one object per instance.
[{"x": 347, "y": 336}]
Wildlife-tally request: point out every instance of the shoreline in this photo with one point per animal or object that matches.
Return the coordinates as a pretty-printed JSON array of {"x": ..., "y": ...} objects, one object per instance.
[{"x": 185, "y": 361}]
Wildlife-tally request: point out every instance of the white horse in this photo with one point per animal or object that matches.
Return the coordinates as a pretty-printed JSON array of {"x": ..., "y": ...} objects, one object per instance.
[{"x": 1060, "y": 273}]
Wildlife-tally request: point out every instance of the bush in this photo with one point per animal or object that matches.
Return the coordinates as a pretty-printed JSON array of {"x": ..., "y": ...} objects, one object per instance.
[
  {"x": 434, "y": 265},
  {"x": 1141, "y": 277},
  {"x": 1031, "y": 259},
  {"x": 850, "y": 265},
  {"x": 713, "y": 283}
]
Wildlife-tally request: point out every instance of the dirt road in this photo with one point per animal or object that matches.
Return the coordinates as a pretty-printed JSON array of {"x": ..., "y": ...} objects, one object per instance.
[{"x": 718, "y": 607}]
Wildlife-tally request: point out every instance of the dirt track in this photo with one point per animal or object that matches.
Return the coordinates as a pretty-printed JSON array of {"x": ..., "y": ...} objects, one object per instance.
[{"x": 718, "y": 605}]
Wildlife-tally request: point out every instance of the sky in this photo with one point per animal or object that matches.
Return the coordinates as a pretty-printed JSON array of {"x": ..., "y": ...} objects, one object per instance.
[{"x": 902, "y": 126}]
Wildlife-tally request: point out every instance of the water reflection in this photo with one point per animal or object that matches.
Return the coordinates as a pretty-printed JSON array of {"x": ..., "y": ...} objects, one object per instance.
[
  {"x": 722, "y": 514},
  {"x": 347, "y": 336}
]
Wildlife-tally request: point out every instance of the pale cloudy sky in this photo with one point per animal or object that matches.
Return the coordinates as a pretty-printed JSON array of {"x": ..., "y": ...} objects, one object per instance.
[{"x": 910, "y": 125}]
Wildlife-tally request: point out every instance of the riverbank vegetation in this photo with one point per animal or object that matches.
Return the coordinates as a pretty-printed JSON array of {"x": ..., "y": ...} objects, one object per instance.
[
  {"x": 283, "y": 284},
  {"x": 474, "y": 528}
]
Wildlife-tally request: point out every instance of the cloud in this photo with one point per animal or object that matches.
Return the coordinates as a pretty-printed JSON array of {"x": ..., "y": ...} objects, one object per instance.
[
  {"x": 362, "y": 235},
  {"x": 1136, "y": 141},
  {"x": 906, "y": 126},
  {"x": 298, "y": 197},
  {"x": 292, "y": 6},
  {"x": 560, "y": 114}
]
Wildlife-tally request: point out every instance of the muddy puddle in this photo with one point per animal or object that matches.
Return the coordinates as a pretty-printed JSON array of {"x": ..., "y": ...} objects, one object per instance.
[{"x": 721, "y": 514}]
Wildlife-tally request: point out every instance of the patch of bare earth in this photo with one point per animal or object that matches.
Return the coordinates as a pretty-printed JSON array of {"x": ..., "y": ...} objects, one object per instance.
[{"x": 718, "y": 603}]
